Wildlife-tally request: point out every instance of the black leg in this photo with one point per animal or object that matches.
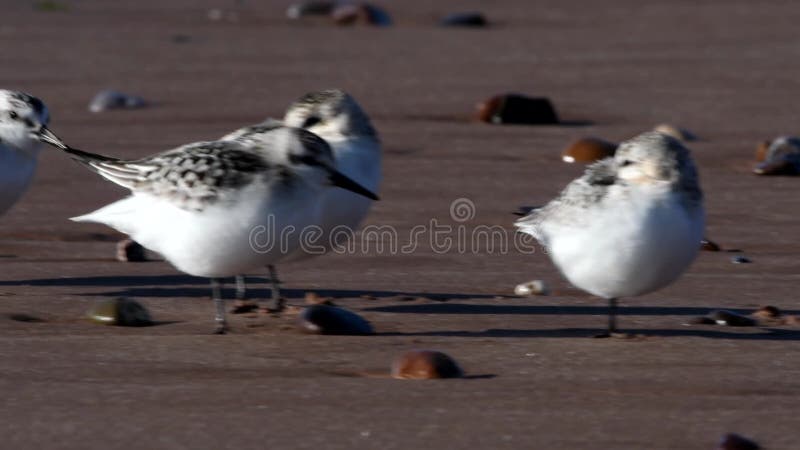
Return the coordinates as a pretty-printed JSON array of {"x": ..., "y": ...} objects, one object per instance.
[
  {"x": 612, "y": 316},
  {"x": 277, "y": 300},
  {"x": 612, "y": 321},
  {"x": 219, "y": 303}
]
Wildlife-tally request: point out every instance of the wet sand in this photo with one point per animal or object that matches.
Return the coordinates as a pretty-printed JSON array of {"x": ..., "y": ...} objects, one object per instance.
[{"x": 727, "y": 71}]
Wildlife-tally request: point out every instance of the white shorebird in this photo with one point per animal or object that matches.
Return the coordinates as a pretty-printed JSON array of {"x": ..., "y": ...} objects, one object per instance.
[
  {"x": 23, "y": 128},
  {"x": 337, "y": 118},
  {"x": 630, "y": 225},
  {"x": 202, "y": 205}
]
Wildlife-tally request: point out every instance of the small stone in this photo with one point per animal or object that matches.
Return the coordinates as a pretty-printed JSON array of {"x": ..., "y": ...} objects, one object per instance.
[
  {"x": 111, "y": 99},
  {"x": 680, "y": 134},
  {"x": 310, "y": 8},
  {"x": 731, "y": 319},
  {"x": 360, "y": 14},
  {"x": 588, "y": 150},
  {"x": 517, "y": 109},
  {"x": 741, "y": 260},
  {"x": 780, "y": 156},
  {"x": 534, "y": 287},
  {"x": 733, "y": 441},
  {"x": 702, "y": 320},
  {"x": 709, "y": 246},
  {"x": 121, "y": 312},
  {"x": 425, "y": 365},
  {"x": 464, "y": 19},
  {"x": 325, "y": 319},
  {"x": 129, "y": 250}
]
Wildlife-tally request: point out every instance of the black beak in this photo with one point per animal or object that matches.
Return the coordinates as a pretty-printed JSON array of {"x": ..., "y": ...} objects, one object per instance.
[
  {"x": 338, "y": 179},
  {"x": 45, "y": 135}
]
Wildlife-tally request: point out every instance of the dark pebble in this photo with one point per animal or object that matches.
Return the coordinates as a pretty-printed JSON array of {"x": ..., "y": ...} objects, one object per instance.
[
  {"x": 425, "y": 365},
  {"x": 129, "y": 250},
  {"x": 325, "y": 319},
  {"x": 741, "y": 260},
  {"x": 733, "y": 441},
  {"x": 121, "y": 312},
  {"x": 464, "y": 19},
  {"x": 723, "y": 317},
  {"x": 517, "y": 109},
  {"x": 111, "y": 99}
]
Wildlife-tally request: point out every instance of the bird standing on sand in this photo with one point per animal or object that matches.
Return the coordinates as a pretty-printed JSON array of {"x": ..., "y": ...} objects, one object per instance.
[
  {"x": 201, "y": 205},
  {"x": 630, "y": 225},
  {"x": 336, "y": 117}
]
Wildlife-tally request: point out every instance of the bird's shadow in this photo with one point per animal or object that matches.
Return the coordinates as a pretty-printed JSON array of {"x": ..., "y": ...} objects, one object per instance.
[
  {"x": 164, "y": 286},
  {"x": 757, "y": 334}
]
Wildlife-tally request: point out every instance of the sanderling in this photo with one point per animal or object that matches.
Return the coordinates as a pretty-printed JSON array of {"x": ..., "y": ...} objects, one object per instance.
[
  {"x": 199, "y": 204},
  {"x": 630, "y": 225},
  {"x": 337, "y": 118},
  {"x": 23, "y": 127}
]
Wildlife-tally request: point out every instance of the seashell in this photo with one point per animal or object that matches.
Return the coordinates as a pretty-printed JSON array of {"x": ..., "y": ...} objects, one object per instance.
[
  {"x": 588, "y": 150},
  {"x": 534, "y": 287},
  {"x": 425, "y": 365},
  {"x": 516, "y": 109},
  {"x": 325, "y": 319},
  {"x": 741, "y": 260},
  {"x": 120, "y": 311},
  {"x": 111, "y": 99}
]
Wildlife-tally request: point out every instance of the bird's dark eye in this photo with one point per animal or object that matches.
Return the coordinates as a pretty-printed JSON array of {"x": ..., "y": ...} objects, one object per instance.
[
  {"x": 311, "y": 121},
  {"x": 13, "y": 115},
  {"x": 627, "y": 162}
]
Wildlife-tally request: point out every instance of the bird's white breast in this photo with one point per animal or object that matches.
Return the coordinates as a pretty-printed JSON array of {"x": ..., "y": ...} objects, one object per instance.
[{"x": 628, "y": 244}]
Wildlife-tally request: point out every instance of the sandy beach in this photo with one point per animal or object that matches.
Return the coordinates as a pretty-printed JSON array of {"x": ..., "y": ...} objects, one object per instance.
[{"x": 726, "y": 70}]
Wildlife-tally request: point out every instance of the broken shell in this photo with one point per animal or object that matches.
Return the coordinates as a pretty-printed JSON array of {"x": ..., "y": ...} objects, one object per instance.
[
  {"x": 731, "y": 319},
  {"x": 129, "y": 250},
  {"x": 534, "y": 287},
  {"x": 741, "y": 260},
  {"x": 588, "y": 150},
  {"x": 425, "y": 365},
  {"x": 709, "y": 246},
  {"x": 110, "y": 99},
  {"x": 324, "y": 319},
  {"x": 120, "y": 311},
  {"x": 516, "y": 109},
  {"x": 464, "y": 19},
  {"x": 680, "y": 134},
  {"x": 733, "y": 441}
]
